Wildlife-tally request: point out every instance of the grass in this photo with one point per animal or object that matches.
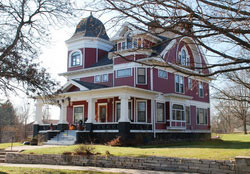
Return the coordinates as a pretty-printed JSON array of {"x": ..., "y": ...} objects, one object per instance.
[
  {"x": 228, "y": 147},
  {"x": 6, "y": 145},
  {"x": 24, "y": 170}
]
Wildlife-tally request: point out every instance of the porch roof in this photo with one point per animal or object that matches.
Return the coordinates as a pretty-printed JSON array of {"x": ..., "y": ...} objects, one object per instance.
[{"x": 110, "y": 92}]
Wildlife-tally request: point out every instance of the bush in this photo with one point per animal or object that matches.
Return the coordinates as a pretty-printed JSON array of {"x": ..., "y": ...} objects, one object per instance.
[
  {"x": 67, "y": 153},
  {"x": 85, "y": 150},
  {"x": 116, "y": 142}
]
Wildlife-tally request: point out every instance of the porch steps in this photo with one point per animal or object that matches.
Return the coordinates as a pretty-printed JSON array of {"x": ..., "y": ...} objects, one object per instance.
[{"x": 67, "y": 137}]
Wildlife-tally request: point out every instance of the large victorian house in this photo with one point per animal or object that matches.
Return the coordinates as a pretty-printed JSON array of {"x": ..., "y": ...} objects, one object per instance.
[{"x": 114, "y": 89}]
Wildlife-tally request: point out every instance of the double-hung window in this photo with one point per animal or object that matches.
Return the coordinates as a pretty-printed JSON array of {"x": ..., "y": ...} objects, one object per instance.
[
  {"x": 201, "y": 89},
  {"x": 202, "y": 116},
  {"x": 141, "y": 111},
  {"x": 178, "y": 112},
  {"x": 123, "y": 73},
  {"x": 179, "y": 84},
  {"x": 160, "y": 112},
  {"x": 141, "y": 75}
]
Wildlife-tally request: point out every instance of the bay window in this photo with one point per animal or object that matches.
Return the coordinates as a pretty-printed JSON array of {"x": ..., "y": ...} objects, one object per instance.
[{"x": 178, "y": 112}]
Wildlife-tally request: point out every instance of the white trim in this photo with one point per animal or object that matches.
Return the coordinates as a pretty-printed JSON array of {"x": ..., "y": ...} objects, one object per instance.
[
  {"x": 141, "y": 131},
  {"x": 151, "y": 78},
  {"x": 103, "y": 131},
  {"x": 70, "y": 59},
  {"x": 146, "y": 120},
  {"x": 88, "y": 71},
  {"x": 71, "y": 83},
  {"x": 181, "y": 130},
  {"x": 74, "y": 106},
  {"x": 89, "y": 42},
  {"x": 169, "y": 46}
]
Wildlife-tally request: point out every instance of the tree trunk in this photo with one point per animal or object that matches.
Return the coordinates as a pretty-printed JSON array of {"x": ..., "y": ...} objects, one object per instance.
[{"x": 245, "y": 125}]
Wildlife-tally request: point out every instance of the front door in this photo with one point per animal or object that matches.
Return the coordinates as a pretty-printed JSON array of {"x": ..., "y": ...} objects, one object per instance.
[{"x": 102, "y": 113}]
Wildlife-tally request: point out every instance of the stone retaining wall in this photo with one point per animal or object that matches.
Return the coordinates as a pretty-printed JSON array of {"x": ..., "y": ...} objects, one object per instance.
[{"x": 148, "y": 163}]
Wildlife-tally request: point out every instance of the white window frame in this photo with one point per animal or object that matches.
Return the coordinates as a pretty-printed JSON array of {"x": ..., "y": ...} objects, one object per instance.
[
  {"x": 201, "y": 95},
  {"x": 204, "y": 111},
  {"x": 116, "y": 73},
  {"x": 70, "y": 59},
  {"x": 164, "y": 112},
  {"x": 75, "y": 106},
  {"x": 146, "y": 120},
  {"x": 103, "y": 78},
  {"x": 162, "y": 71},
  {"x": 146, "y": 78},
  {"x": 180, "y": 76},
  {"x": 96, "y": 77},
  {"x": 178, "y": 110}
]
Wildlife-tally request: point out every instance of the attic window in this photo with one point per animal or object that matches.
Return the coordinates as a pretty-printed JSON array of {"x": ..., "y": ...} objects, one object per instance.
[{"x": 184, "y": 57}]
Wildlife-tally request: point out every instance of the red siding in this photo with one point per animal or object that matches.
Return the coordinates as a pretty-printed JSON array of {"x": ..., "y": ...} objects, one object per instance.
[
  {"x": 88, "y": 79},
  {"x": 90, "y": 57},
  {"x": 101, "y": 54},
  {"x": 73, "y": 89},
  {"x": 163, "y": 85},
  {"x": 70, "y": 114}
]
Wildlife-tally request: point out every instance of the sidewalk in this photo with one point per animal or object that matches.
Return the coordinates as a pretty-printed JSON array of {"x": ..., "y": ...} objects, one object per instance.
[{"x": 99, "y": 169}]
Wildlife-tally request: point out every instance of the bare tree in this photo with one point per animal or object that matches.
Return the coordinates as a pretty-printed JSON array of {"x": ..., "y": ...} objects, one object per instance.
[
  {"x": 25, "y": 27},
  {"x": 234, "y": 99},
  {"x": 221, "y": 28}
]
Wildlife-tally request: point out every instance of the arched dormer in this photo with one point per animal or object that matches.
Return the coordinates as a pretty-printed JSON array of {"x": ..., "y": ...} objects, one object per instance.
[{"x": 75, "y": 58}]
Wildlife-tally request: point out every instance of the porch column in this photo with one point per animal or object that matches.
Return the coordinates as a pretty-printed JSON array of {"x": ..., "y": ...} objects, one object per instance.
[
  {"x": 63, "y": 124},
  {"x": 91, "y": 113},
  {"x": 63, "y": 112},
  {"x": 38, "y": 116},
  {"x": 124, "y": 122},
  {"x": 124, "y": 109},
  {"x": 91, "y": 110},
  {"x": 39, "y": 112}
]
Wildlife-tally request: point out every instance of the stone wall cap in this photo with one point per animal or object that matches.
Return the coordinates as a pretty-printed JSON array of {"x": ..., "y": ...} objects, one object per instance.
[{"x": 242, "y": 157}]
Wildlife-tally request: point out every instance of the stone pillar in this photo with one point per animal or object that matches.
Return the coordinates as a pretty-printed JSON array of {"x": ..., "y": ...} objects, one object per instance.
[
  {"x": 38, "y": 116},
  {"x": 124, "y": 122},
  {"x": 91, "y": 114},
  {"x": 63, "y": 124}
]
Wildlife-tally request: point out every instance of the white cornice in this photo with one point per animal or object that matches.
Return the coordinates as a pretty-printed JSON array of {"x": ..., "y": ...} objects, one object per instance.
[
  {"x": 173, "y": 95},
  {"x": 86, "y": 70}
]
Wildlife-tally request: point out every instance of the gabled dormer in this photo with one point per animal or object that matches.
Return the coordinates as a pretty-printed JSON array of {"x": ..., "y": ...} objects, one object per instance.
[
  {"x": 131, "y": 39},
  {"x": 88, "y": 45}
]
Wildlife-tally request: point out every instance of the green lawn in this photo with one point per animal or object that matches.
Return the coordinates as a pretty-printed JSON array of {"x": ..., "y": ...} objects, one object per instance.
[
  {"x": 228, "y": 147},
  {"x": 5, "y": 145},
  {"x": 22, "y": 170}
]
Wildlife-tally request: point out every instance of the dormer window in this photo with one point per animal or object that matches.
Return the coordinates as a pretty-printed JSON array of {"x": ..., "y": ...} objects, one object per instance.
[
  {"x": 184, "y": 57},
  {"x": 129, "y": 41},
  {"x": 76, "y": 59}
]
